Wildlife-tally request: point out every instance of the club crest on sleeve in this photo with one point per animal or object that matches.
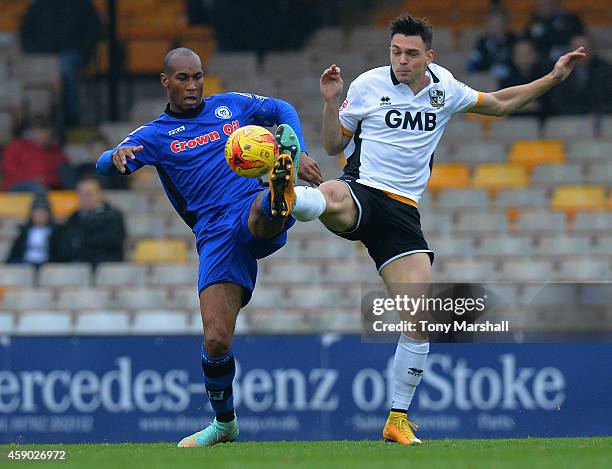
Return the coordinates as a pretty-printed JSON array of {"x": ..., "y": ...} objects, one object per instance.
[
  {"x": 223, "y": 112},
  {"x": 436, "y": 98}
]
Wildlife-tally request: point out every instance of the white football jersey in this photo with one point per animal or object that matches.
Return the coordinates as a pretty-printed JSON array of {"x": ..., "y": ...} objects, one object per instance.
[{"x": 394, "y": 133}]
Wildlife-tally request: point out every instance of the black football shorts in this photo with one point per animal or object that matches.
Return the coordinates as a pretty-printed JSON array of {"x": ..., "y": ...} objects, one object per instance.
[{"x": 389, "y": 229}]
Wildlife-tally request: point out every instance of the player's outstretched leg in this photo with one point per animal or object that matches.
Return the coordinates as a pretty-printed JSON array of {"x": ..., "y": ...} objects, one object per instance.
[{"x": 283, "y": 175}]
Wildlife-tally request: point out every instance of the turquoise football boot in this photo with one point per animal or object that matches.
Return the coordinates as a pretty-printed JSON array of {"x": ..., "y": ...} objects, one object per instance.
[{"x": 216, "y": 432}]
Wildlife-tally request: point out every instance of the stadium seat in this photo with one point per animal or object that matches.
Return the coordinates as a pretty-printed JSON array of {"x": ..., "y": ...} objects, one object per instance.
[
  {"x": 162, "y": 322},
  {"x": 162, "y": 251},
  {"x": 605, "y": 130},
  {"x": 466, "y": 270},
  {"x": 548, "y": 295},
  {"x": 562, "y": 246},
  {"x": 15, "y": 205},
  {"x": 481, "y": 223},
  {"x": 449, "y": 176},
  {"x": 480, "y": 152},
  {"x": 436, "y": 223},
  {"x": 524, "y": 270},
  {"x": 146, "y": 225},
  {"x": 174, "y": 274},
  {"x": 276, "y": 322},
  {"x": 44, "y": 323},
  {"x": 570, "y": 128},
  {"x": 523, "y": 199},
  {"x": 603, "y": 246},
  {"x": 510, "y": 129},
  {"x": 63, "y": 203},
  {"x": 462, "y": 199},
  {"x": 530, "y": 154},
  {"x": 7, "y": 323},
  {"x": 224, "y": 63},
  {"x": 185, "y": 298},
  {"x": 177, "y": 228},
  {"x": 78, "y": 153},
  {"x": 591, "y": 151},
  {"x": 600, "y": 173},
  {"x": 504, "y": 247},
  {"x": 461, "y": 130},
  {"x": 315, "y": 298},
  {"x": 446, "y": 247},
  {"x": 331, "y": 248},
  {"x": 578, "y": 198},
  {"x": 27, "y": 298},
  {"x": 494, "y": 177},
  {"x": 584, "y": 270},
  {"x": 16, "y": 275},
  {"x": 38, "y": 70},
  {"x": 540, "y": 223},
  {"x": 264, "y": 297},
  {"x": 73, "y": 299},
  {"x": 129, "y": 202},
  {"x": 555, "y": 174},
  {"x": 116, "y": 274},
  {"x": 64, "y": 275},
  {"x": 349, "y": 273},
  {"x": 292, "y": 272},
  {"x": 342, "y": 321},
  {"x": 592, "y": 223},
  {"x": 140, "y": 298},
  {"x": 103, "y": 322}
]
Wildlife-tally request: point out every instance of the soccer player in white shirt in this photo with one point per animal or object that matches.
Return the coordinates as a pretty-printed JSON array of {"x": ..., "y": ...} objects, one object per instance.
[{"x": 389, "y": 126}]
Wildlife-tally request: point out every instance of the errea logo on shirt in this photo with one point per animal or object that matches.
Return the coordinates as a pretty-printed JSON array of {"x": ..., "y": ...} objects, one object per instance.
[{"x": 177, "y": 130}]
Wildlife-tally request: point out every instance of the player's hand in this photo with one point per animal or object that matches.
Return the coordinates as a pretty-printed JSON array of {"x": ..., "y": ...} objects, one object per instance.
[
  {"x": 309, "y": 170},
  {"x": 331, "y": 83},
  {"x": 567, "y": 62},
  {"x": 122, "y": 154}
]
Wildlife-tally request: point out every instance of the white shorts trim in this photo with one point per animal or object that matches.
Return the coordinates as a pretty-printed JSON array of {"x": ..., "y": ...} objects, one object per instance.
[
  {"x": 403, "y": 254},
  {"x": 358, "y": 209}
]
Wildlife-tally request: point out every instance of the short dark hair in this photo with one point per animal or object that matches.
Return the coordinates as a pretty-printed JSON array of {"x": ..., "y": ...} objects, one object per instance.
[
  {"x": 167, "y": 68},
  {"x": 411, "y": 26}
]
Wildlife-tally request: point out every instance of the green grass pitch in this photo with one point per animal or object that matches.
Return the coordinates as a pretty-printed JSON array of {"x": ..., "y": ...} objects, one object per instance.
[{"x": 448, "y": 454}]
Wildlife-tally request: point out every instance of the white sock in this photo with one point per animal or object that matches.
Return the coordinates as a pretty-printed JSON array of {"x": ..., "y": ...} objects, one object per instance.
[
  {"x": 408, "y": 367},
  {"x": 309, "y": 203}
]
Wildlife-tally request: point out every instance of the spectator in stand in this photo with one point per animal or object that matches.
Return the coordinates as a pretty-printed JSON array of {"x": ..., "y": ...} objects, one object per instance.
[
  {"x": 493, "y": 51},
  {"x": 35, "y": 161},
  {"x": 589, "y": 88},
  {"x": 70, "y": 28},
  {"x": 86, "y": 167},
  {"x": 526, "y": 67},
  {"x": 552, "y": 28},
  {"x": 38, "y": 240},
  {"x": 95, "y": 232}
]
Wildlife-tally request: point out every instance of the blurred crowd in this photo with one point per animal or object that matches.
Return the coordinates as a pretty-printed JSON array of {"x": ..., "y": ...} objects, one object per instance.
[{"x": 516, "y": 58}]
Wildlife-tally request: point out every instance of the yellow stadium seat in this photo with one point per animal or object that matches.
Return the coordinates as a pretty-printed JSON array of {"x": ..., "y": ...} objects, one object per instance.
[
  {"x": 532, "y": 153},
  {"x": 494, "y": 177},
  {"x": 213, "y": 85},
  {"x": 15, "y": 205},
  {"x": 160, "y": 251},
  {"x": 449, "y": 176},
  {"x": 578, "y": 198},
  {"x": 63, "y": 203}
]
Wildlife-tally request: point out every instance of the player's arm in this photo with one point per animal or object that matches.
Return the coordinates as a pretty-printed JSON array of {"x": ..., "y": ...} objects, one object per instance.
[
  {"x": 509, "y": 100},
  {"x": 130, "y": 155},
  {"x": 335, "y": 137}
]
